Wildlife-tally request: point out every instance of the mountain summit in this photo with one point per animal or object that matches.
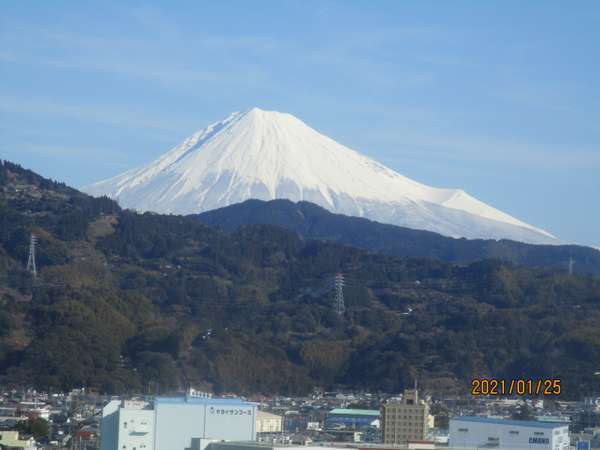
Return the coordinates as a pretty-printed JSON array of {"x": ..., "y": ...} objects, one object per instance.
[{"x": 267, "y": 155}]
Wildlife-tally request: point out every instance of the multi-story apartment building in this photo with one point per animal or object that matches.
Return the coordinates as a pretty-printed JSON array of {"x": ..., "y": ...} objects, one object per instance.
[{"x": 404, "y": 420}]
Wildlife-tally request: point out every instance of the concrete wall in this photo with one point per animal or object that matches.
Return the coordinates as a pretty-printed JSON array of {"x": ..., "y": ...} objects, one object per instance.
[
  {"x": 177, "y": 424},
  {"x": 136, "y": 429},
  {"x": 109, "y": 427}
]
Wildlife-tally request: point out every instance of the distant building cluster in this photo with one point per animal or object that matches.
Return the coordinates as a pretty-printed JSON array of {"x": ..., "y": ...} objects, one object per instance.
[
  {"x": 81, "y": 420},
  {"x": 405, "y": 422}
]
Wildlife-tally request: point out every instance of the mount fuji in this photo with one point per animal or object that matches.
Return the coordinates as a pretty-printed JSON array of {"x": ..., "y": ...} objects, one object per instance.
[{"x": 271, "y": 155}]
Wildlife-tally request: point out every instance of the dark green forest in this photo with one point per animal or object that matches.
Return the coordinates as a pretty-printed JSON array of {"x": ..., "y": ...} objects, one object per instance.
[
  {"x": 128, "y": 302},
  {"x": 314, "y": 222}
]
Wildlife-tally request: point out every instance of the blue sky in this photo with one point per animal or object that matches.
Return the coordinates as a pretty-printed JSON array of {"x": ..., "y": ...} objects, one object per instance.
[{"x": 501, "y": 99}]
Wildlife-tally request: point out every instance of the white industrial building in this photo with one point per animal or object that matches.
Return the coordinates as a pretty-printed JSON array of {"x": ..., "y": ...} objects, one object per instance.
[
  {"x": 175, "y": 423},
  {"x": 482, "y": 432}
]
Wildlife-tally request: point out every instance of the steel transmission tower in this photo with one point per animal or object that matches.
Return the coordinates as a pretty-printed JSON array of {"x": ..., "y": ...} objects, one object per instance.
[
  {"x": 571, "y": 263},
  {"x": 340, "y": 308},
  {"x": 31, "y": 267}
]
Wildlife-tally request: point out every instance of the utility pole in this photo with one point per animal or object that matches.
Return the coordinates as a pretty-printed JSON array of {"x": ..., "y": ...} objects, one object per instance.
[
  {"x": 340, "y": 308},
  {"x": 31, "y": 266}
]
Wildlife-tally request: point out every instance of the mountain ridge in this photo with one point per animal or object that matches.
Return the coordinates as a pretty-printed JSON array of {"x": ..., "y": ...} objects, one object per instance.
[
  {"x": 129, "y": 302},
  {"x": 268, "y": 155},
  {"x": 314, "y": 222}
]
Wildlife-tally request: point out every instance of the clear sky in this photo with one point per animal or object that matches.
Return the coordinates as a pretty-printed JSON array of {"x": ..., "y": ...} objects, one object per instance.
[{"x": 499, "y": 98}]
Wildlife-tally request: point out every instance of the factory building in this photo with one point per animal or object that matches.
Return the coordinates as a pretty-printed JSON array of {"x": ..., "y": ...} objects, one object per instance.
[
  {"x": 405, "y": 420},
  {"x": 351, "y": 419},
  {"x": 175, "y": 423},
  {"x": 483, "y": 432}
]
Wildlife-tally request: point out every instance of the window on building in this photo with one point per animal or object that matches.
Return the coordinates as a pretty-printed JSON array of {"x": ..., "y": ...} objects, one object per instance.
[
  {"x": 124, "y": 424},
  {"x": 463, "y": 430},
  {"x": 538, "y": 433},
  {"x": 513, "y": 432}
]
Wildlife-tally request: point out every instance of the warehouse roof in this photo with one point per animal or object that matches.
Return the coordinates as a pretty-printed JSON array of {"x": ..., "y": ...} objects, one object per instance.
[
  {"x": 355, "y": 412},
  {"x": 266, "y": 415},
  {"x": 202, "y": 400},
  {"x": 518, "y": 423}
]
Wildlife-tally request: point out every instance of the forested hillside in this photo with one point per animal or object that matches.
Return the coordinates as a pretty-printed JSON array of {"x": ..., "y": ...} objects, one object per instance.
[
  {"x": 313, "y": 222},
  {"x": 149, "y": 303}
]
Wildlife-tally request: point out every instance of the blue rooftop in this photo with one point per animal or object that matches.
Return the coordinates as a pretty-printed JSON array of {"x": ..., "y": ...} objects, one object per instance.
[
  {"x": 202, "y": 401},
  {"x": 518, "y": 423},
  {"x": 355, "y": 412}
]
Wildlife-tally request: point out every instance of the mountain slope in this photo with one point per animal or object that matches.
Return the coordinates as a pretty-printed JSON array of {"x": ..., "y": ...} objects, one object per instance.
[
  {"x": 268, "y": 155},
  {"x": 313, "y": 222},
  {"x": 128, "y": 302}
]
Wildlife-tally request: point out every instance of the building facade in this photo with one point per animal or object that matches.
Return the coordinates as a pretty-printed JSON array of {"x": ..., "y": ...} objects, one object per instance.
[
  {"x": 127, "y": 425},
  {"x": 268, "y": 423},
  {"x": 175, "y": 423},
  {"x": 352, "y": 419},
  {"x": 404, "y": 420},
  {"x": 483, "y": 432}
]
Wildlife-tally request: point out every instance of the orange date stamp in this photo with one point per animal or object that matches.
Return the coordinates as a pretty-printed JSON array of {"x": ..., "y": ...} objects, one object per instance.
[{"x": 520, "y": 387}]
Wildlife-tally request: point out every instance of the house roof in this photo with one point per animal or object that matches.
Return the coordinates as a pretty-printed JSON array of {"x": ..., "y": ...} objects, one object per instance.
[
  {"x": 266, "y": 415},
  {"x": 355, "y": 412},
  {"x": 202, "y": 401},
  {"x": 518, "y": 423}
]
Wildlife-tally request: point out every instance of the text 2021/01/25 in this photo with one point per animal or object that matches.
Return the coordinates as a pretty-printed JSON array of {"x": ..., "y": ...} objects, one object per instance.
[{"x": 493, "y": 386}]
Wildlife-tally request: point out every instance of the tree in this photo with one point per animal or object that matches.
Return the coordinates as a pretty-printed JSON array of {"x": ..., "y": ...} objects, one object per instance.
[
  {"x": 36, "y": 426},
  {"x": 523, "y": 412}
]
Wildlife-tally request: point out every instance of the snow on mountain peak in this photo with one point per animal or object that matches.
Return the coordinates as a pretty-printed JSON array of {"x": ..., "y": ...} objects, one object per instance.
[{"x": 268, "y": 154}]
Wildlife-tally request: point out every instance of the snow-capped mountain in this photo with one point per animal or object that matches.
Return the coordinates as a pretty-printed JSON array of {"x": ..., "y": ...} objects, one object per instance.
[{"x": 267, "y": 155}]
